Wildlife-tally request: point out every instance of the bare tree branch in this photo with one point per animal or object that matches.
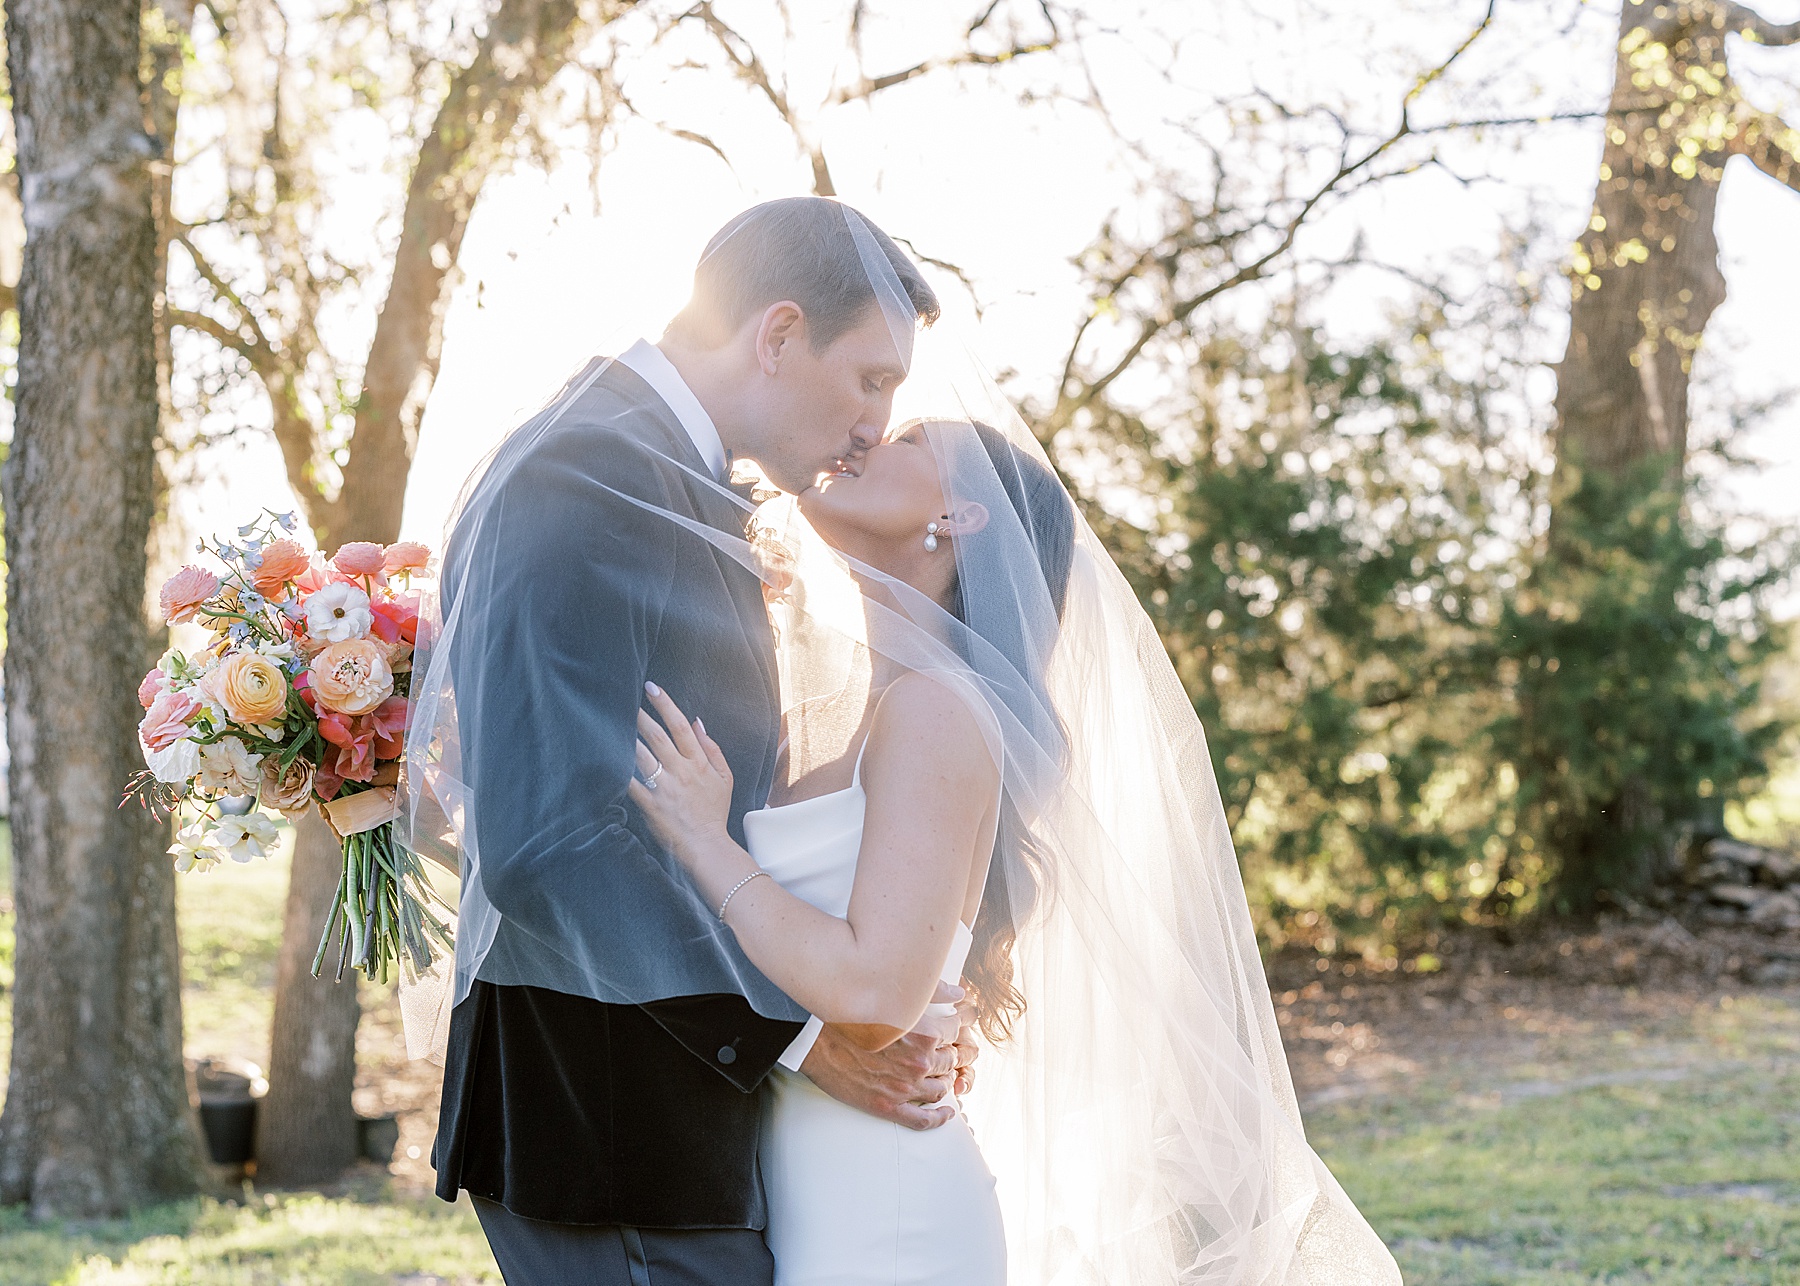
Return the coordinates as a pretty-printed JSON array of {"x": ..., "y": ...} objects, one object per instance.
[
  {"x": 232, "y": 340},
  {"x": 248, "y": 322},
  {"x": 1752, "y": 26},
  {"x": 1069, "y": 403},
  {"x": 868, "y": 86},
  {"x": 954, "y": 270},
  {"x": 748, "y": 65},
  {"x": 1772, "y": 145}
]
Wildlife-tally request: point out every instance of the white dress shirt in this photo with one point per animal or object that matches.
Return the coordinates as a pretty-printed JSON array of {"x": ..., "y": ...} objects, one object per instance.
[{"x": 650, "y": 364}]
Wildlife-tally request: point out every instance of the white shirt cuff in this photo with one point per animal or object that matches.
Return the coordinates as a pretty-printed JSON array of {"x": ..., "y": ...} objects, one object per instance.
[{"x": 796, "y": 1053}]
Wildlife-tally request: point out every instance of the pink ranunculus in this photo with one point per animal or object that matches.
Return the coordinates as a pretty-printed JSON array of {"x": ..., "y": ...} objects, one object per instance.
[
  {"x": 360, "y": 558},
  {"x": 183, "y": 593},
  {"x": 407, "y": 556},
  {"x": 169, "y": 720},
  {"x": 154, "y": 685}
]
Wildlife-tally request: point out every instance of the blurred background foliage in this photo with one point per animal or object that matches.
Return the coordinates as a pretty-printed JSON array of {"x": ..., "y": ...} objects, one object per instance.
[{"x": 1418, "y": 712}]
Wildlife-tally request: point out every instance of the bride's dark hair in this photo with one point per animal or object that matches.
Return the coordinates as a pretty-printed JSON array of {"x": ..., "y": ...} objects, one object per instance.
[{"x": 1013, "y": 886}]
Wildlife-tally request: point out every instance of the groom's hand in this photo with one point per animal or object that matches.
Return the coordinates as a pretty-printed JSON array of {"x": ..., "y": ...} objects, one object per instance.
[
  {"x": 905, "y": 1082},
  {"x": 968, "y": 1047}
]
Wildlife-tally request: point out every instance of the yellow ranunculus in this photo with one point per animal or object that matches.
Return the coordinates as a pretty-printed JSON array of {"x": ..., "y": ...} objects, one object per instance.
[{"x": 252, "y": 688}]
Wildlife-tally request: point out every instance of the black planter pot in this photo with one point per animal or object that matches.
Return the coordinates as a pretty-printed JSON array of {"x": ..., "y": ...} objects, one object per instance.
[
  {"x": 230, "y": 1128},
  {"x": 377, "y": 1137}
]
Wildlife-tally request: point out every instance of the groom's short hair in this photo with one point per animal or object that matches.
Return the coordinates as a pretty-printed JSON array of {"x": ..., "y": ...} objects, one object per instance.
[{"x": 799, "y": 249}]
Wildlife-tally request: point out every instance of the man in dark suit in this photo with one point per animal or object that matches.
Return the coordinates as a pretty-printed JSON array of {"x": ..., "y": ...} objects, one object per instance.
[{"x": 613, "y": 1142}]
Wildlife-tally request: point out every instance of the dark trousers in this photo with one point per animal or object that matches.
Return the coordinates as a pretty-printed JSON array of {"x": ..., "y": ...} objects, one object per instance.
[{"x": 531, "y": 1252}]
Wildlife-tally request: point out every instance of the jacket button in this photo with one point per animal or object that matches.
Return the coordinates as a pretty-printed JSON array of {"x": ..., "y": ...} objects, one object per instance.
[{"x": 727, "y": 1055}]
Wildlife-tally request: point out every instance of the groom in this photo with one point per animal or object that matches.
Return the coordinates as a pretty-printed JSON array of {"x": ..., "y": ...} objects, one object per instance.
[{"x": 615, "y": 1143}]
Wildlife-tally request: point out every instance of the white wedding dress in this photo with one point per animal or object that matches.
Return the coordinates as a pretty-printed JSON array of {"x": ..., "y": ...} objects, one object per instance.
[{"x": 853, "y": 1200}]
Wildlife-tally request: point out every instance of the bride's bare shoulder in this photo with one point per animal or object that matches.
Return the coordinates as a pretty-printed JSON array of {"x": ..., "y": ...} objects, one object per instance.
[{"x": 936, "y": 716}]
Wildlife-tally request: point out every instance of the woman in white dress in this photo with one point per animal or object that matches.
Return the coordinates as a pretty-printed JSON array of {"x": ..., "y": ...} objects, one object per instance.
[{"x": 879, "y": 859}]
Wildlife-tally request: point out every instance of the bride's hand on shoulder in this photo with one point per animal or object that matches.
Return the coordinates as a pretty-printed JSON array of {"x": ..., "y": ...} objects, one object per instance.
[{"x": 683, "y": 784}]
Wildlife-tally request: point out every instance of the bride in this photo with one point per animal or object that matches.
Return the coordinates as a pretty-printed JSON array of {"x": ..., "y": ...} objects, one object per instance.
[
  {"x": 879, "y": 860},
  {"x": 991, "y": 774}
]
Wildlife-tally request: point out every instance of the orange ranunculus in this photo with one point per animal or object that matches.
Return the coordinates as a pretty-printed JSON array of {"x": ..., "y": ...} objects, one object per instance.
[
  {"x": 252, "y": 688},
  {"x": 360, "y": 558},
  {"x": 282, "y": 562},
  {"x": 351, "y": 677},
  {"x": 183, "y": 593}
]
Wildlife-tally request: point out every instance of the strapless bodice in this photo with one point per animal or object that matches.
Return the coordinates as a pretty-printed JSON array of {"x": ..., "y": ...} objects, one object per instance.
[{"x": 810, "y": 848}]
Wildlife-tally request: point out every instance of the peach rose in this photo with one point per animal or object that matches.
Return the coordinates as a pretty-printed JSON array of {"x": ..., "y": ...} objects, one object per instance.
[
  {"x": 183, "y": 593},
  {"x": 407, "y": 556},
  {"x": 282, "y": 561},
  {"x": 288, "y": 791},
  {"x": 252, "y": 688},
  {"x": 352, "y": 677},
  {"x": 169, "y": 720},
  {"x": 154, "y": 685},
  {"x": 360, "y": 558}
]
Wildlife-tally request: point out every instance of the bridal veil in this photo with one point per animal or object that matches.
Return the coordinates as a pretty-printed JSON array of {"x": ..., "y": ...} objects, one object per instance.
[{"x": 1139, "y": 1118}]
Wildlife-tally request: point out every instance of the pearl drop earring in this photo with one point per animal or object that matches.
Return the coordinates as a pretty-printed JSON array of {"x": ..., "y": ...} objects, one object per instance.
[{"x": 931, "y": 535}]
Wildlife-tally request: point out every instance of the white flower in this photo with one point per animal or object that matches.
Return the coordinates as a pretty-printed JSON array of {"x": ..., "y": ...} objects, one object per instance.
[
  {"x": 228, "y": 768},
  {"x": 193, "y": 848},
  {"x": 246, "y": 838},
  {"x": 173, "y": 764},
  {"x": 336, "y": 613}
]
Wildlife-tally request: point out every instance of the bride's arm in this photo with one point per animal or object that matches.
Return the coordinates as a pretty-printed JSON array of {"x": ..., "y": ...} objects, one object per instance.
[{"x": 930, "y": 784}]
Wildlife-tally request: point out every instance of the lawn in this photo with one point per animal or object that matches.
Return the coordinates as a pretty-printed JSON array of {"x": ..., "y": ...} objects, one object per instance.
[
  {"x": 1546, "y": 1135},
  {"x": 1662, "y": 1152},
  {"x": 373, "y": 1228}
]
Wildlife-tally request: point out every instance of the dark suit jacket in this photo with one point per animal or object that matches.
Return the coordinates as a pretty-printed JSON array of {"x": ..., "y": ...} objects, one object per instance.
[{"x": 561, "y": 1107}]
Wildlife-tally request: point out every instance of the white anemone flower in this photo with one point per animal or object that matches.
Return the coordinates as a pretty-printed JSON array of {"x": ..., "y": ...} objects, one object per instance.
[
  {"x": 228, "y": 768},
  {"x": 337, "y": 613},
  {"x": 193, "y": 848},
  {"x": 173, "y": 764},
  {"x": 246, "y": 838}
]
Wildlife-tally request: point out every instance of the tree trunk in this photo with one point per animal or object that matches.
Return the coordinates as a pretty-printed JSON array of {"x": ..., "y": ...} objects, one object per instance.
[
  {"x": 306, "y": 1130},
  {"x": 312, "y": 1061},
  {"x": 526, "y": 44},
  {"x": 97, "y": 1118},
  {"x": 1646, "y": 281},
  {"x": 1646, "y": 271}
]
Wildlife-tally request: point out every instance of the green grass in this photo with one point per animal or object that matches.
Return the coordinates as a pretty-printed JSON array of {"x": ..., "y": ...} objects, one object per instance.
[
  {"x": 230, "y": 926},
  {"x": 1669, "y": 1162},
  {"x": 1657, "y": 1153},
  {"x": 293, "y": 1240}
]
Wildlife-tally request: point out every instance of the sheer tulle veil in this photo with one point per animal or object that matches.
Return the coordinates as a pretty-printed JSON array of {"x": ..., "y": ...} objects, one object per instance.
[{"x": 1139, "y": 1118}]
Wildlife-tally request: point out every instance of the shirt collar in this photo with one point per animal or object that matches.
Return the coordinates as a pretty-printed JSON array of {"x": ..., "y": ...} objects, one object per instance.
[{"x": 649, "y": 364}]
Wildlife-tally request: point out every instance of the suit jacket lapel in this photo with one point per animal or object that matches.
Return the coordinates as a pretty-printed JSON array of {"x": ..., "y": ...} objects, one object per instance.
[{"x": 717, "y": 511}]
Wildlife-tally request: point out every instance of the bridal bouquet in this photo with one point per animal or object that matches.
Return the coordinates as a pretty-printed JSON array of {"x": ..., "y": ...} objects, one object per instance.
[{"x": 300, "y": 698}]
